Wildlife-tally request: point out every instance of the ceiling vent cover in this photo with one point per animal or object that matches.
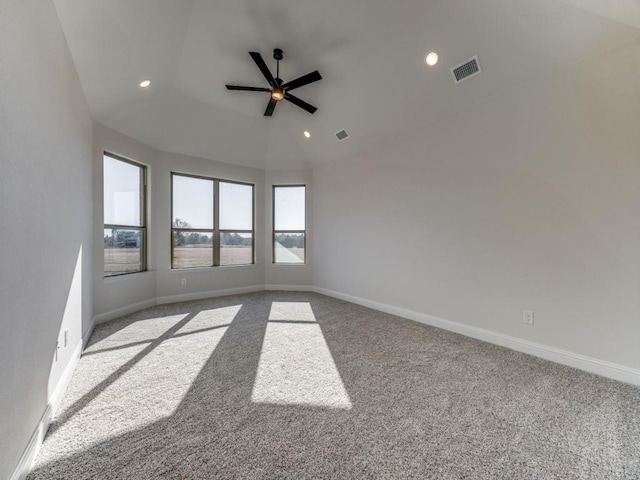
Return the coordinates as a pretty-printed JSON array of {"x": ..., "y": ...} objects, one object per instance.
[
  {"x": 466, "y": 69},
  {"x": 342, "y": 135}
]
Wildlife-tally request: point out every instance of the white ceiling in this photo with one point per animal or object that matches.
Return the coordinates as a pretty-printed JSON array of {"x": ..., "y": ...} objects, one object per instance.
[{"x": 369, "y": 52}]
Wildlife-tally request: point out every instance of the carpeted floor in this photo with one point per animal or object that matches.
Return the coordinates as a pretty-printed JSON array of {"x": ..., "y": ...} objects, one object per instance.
[{"x": 298, "y": 385}]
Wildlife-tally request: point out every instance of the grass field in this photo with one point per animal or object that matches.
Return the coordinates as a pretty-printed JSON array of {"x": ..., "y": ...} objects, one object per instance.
[
  {"x": 189, "y": 257},
  {"x": 121, "y": 260},
  {"x": 125, "y": 260}
]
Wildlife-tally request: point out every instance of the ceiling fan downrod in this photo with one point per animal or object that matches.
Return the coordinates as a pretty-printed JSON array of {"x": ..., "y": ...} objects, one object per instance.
[{"x": 278, "y": 55}]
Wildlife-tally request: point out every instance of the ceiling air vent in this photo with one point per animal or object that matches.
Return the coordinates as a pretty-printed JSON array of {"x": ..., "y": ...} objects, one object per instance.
[
  {"x": 466, "y": 69},
  {"x": 342, "y": 135}
]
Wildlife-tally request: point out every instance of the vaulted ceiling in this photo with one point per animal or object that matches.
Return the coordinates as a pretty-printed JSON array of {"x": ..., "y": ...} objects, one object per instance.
[{"x": 369, "y": 52}]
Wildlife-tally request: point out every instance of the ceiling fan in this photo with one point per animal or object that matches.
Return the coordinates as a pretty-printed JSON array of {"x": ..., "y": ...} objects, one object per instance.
[{"x": 279, "y": 90}]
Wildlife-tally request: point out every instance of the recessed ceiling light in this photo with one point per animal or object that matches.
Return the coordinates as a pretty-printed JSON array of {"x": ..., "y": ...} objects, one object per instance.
[
  {"x": 307, "y": 134},
  {"x": 145, "y": 83},
  {"x": 431, "y": 58}
]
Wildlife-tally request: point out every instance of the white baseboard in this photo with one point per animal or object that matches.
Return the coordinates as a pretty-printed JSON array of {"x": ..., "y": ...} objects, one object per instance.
[
  {"x": 37, "y": 437},
  {"x": 589, "y": 364},
  {"x": 65, "y": 378},
  {"x": 290, "y": 288},
  {"x": 564, "y": 357},
  {"x": 28, "y": 456},
  {"x": 119, "y": 312},
  {"x": 185, "y": 297},
  {"x": 86, "y": 335}
]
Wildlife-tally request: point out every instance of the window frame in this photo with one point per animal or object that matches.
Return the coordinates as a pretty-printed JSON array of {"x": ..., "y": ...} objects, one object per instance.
[
  {"x": 142, "y": 228},
  {"x": 216, "y": 222},
  {"x": 274, "y": 232}
]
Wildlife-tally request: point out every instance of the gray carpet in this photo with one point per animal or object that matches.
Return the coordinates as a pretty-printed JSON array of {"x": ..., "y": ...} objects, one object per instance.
[{"x": 298, "y": 385}]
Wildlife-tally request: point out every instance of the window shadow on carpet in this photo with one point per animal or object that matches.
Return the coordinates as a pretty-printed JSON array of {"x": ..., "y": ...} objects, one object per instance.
[
  {"x": 424, "y": 404},
  {"x": 146, "y": 379},
  {"x": 296, "y": 366}
]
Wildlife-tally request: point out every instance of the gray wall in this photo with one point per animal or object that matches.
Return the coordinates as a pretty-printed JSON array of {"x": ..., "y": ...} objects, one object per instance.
[
  {"x": 527, "y": 201},
  {"x": 128, "y": 290},
  {"x": 289, "y": 275},
  {"x": 117, "y": 295},
  {"x": 201, "y": 279},
  {"x": 46, "y": 214},
  {"x": 530, "y": 200}
]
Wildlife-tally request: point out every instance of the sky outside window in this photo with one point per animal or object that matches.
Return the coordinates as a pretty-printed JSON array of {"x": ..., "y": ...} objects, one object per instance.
[
  {"x": 193, "y": 202},
  {"x": 236, "y": 206},
  {"x": 289, "y": 203},
  {"x": 121, "y": 192}
]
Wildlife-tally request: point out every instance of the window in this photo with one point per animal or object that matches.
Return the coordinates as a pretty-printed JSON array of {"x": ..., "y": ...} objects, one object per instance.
[
  {"x": 192, "y": 221},
  {"x": 236, "y": 223},
  {"x": 289, "y": 227},
  {"x": 125, "y": 232},
  {"x": 212, "y": 222}
]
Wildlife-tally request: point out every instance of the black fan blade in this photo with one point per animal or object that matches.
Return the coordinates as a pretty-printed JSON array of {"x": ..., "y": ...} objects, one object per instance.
[
  {"x": 248, "y": 89},
  {"x": 301, "y": 103},
  {"x": 303, "y": 80},
  {"x": 270, "y": 108},
  {"x": 263, "y": 68}
]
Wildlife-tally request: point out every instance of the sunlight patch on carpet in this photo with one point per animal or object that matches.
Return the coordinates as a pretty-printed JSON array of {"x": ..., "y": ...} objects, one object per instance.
[
  {"x": 151, "y": 390},
  {"x": 296, "y": 366},
  {"x": 206, "y": 319},
  {"x": 154, "y": 386},
  {"x": 140, "y": 331},
  {"x": 293, "y": 311}
]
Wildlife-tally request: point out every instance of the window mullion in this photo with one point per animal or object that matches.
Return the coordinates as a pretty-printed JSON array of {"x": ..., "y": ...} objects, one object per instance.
[
  {"x": 216, "y": 222},
  {"x": 273, "y": 224}
]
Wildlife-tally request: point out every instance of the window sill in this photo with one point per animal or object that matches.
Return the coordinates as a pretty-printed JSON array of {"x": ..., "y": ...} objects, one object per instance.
[
  {"x": 128, "y": 276},
  {"x": 297, "y": 265},
  {"x": 211, "y": 269}
]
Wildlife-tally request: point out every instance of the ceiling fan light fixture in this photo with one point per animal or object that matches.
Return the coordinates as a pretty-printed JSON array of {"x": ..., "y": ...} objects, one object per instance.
[{"x": 277, "y": 94}]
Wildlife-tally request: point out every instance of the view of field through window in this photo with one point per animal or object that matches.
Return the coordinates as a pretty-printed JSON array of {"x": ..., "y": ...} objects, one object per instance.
[
  {"x": 194, "y": 221},
  {"x": 289, "y": 224},
  {"x": 203, "y": 234},
  {"x": 124, "y": 226}
]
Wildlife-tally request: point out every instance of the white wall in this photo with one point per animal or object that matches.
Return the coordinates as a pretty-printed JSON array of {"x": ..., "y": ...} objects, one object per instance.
[
  {"x": 527, "y": 201},
  {"x": 530, "y": 200},
  {"x": 201, "y": 279},
  {"x": 116, "y": 295},
  {"x": 46, "y": 215},
  {"x": 288, "y": 275},
  {"x": 111, "y": 294}
]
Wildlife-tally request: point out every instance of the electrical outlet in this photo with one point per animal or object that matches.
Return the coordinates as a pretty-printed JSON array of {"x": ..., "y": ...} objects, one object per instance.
[
  {"x": 527, "y": 317},
  {"x": 183, "y": 282}
]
